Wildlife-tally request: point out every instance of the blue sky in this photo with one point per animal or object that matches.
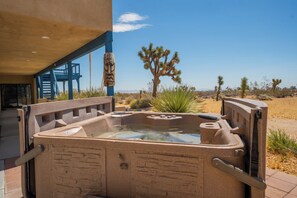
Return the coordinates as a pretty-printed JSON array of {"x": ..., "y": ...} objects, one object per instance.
[{"x": 232, "y": 38}]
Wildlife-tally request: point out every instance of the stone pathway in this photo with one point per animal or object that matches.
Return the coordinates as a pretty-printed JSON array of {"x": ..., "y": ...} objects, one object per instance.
[
  {"x": 280, "y": 184},
  {"x": 12, "y": 177}
]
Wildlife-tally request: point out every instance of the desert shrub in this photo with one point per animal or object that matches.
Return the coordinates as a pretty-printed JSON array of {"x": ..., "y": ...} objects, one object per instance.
[
  {"x": 62, "y": 96},
  {"x": 264, "y": 97},
  {"x": 145, "y": 103},
  {"x": 282, "y": 93},
  {"x": 117, "y": 99},
  {"x": 280, "y": 142},
  {"x": 206, "y": 94},
  {"x": 229, "y": 92},
  {"x": 132, "y": 103},
  {"x": 177, "y": 99},
  {"x": 140, "y": 103},
  {"x": 93, "y": 92},
  {"x": 82, "y": 94},
  {"x": 129, "y": 99},
  {"x": 118, "y": 95}
]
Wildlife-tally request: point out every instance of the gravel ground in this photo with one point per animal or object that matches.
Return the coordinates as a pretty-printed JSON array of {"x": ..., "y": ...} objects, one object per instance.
[{"x": 288, "y": 125}]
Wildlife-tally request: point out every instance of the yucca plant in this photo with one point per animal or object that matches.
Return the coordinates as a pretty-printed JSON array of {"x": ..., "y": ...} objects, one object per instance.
[
  {"x": 244, "y": 86},
  {"x": 218, "y": 89},
  {"x": 280, "y": 142},
  {"x": 275, "y": 83},
  {"x": 176, "y": 99}
]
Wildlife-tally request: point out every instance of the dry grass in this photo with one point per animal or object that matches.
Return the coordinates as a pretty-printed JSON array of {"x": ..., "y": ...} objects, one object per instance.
[
  {"x": 277, "y": 108},
  {"x": 286, "y": 163},
  {"x": 282, "y": 108},
  {"x": 211, "y": 106}
]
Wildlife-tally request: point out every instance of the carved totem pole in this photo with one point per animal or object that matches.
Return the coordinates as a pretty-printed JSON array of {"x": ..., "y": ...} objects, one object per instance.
[{"x": 109, "y": 69}]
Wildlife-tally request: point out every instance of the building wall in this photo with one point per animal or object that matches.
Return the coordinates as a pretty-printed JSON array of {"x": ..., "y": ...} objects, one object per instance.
[{"x": 16, "y": 79}]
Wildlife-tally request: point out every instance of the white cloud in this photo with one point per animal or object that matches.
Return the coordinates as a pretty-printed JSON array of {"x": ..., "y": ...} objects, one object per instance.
[
  {"x": 125, "y": 27},
  {"x": 131, "y": 17},
  {"x": 128, "y": 22}
]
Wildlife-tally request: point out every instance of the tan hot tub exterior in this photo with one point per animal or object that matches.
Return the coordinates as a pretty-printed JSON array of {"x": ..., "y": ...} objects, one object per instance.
[{"x": 80, "y": 165}]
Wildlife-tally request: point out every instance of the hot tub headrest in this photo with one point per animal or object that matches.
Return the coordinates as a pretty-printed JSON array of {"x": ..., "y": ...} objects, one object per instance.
[{"x": 223, "y": 136}]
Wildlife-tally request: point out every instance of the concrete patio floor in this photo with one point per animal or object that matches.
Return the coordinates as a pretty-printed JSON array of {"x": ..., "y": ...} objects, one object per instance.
[
  {"x": 9, "y": 150},
  {"x": 279, "y": 184},
  {"x": 9, "y": 136}
]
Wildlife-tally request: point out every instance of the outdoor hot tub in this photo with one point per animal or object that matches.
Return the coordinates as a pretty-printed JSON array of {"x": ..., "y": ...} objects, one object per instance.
[{"x": 80, "y": 148}]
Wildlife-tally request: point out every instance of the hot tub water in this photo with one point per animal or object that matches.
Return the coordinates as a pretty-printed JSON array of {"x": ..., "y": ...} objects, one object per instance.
[{"x": 142, "y": 133}]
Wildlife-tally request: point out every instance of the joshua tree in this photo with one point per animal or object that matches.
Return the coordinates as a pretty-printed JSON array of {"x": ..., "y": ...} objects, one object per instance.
[
  {"x": 140, "y": 94},
  {"x": 220, "y": 83},
  {"x": 275, "y": 83},
  {"x": 157, "y": 61},
  {"x": 244, "y": 86}
]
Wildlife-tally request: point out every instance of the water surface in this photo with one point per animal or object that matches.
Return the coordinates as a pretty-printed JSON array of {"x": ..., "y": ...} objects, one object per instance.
[{"x": 141, "y": 133}]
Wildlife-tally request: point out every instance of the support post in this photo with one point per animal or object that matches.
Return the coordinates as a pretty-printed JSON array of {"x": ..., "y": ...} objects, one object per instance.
[
  {"x": 108, "y": 42},
  {"x": 63, "y": 86},
  {"x": 70, "y": 86},
  {"x": 108, "y": 48},
  {"x": 41, "y": 86},
  {"x": 37, "y": 81},
  {"x": 78, "y": 85},
  {"x": 52, "y": 84},
  {"x": 110, "y": 91},
  {"x": 90, "y": 64}
]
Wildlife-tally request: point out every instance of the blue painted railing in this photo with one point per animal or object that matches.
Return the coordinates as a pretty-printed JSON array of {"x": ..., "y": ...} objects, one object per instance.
[{"x": 48, "y": 82}]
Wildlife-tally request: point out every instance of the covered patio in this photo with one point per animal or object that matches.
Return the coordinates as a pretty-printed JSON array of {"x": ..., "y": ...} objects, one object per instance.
[
  {"x": 36, "y": 38},
  {"x": 39, "y": 36}
]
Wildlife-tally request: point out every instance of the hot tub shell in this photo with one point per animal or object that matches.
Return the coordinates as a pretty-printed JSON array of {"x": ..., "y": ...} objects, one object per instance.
[{"x": 81, "y": 164}]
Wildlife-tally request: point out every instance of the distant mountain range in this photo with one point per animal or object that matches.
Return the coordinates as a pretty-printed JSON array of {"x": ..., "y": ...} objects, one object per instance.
[
  {"x": 137, "y": 91},
  {"x": 127, "y": 91}
]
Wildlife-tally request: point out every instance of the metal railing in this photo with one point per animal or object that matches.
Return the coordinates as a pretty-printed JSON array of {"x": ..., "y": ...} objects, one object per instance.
[
  {"x": 64, "y": 71},
  {"x": 239, "y": 174}
]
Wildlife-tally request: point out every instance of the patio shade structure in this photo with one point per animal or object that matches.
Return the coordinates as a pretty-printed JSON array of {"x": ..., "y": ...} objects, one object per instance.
[{"x": 38, "y": 36}]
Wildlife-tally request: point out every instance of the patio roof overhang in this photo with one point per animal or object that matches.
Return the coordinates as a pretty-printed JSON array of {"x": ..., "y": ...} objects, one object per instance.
[{"x": 37, "y": 34}]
